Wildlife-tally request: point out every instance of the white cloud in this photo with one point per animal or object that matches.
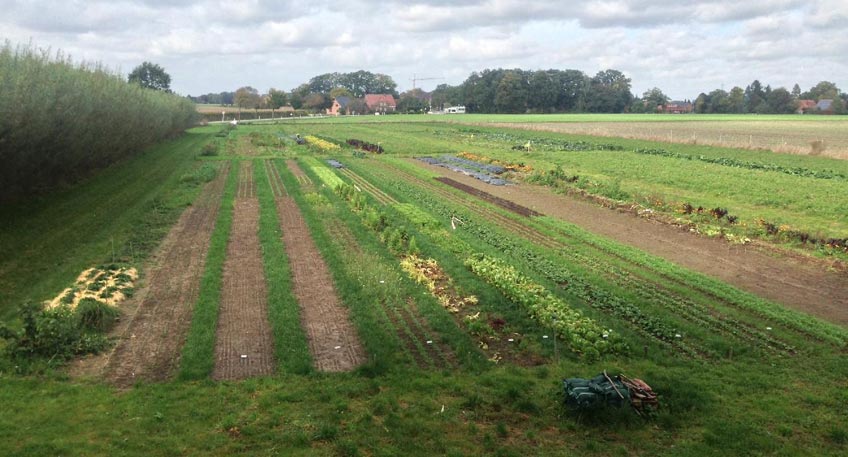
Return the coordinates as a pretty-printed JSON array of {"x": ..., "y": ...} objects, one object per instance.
[{"x": 213, "y": 45}]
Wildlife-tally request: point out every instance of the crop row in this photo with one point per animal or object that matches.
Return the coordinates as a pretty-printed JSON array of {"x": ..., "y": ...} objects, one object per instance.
[
  {"x": 735, "y": 163},
  {"x": 428, "y": 273},
  {"x": 545, "y": 143},
  {"x": 326, "y": 176},
  {"x": 323, "y": 145},
  {"x": 583, "y": 334}
]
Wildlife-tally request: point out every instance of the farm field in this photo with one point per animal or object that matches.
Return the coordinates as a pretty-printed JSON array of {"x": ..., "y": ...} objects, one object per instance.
[
  {"x": 792, "y": 134},
  {"x": 317, "y": 299}
]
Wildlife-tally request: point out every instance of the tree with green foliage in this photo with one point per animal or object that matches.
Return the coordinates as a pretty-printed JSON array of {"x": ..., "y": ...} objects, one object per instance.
[
  {"x": 824, "y": 90},
  {"x": 736, "y": 100},
  {"x": 796, "y": 91},
  {"x": 654, "y": 100},
  {"x": 511, "y": 93},
  {"x": 780, "y": 101},
  {"x": 542, "y": 91},
  {"x": 150, "y": 76},
  {"x": 317, "y": 102},
  {"x": 413, "y": 101},
  {"x": 755, "y": 97},
  {"x": 276, "y": 99},
  {"x": 246, "y": 98},
  {"x": 610, "y": 92}
]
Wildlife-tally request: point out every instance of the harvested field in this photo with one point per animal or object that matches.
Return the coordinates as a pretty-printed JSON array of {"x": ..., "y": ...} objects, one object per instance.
[
  {"x": 788, "y": 280},
  {"x": 333, "y": 342},
  {"x": 793, "y": 137},
  {"x": 149, "y": 345},
  {"x": 244, "y": 345}
]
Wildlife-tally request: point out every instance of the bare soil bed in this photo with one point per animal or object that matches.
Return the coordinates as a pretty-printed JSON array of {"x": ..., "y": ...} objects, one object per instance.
[
  {"x": 796, "y": 282},
  {"x": 244, "y": 345},
  {"x": 333, "y": 341},
  {"x": 151, "y": 338}
]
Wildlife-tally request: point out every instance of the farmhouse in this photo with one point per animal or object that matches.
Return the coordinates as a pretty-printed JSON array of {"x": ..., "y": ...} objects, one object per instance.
[
  {"x": 455, "y": 110},
  {"x": 805, "y": 106},
  {"x": 380, "y": 103},
  {"x": 339, "y": 106},
  {"x": 677, "y": 107}
]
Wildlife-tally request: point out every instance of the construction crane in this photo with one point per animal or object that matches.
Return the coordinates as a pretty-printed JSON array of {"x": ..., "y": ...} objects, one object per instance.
[{"x": 414, "y": 79}]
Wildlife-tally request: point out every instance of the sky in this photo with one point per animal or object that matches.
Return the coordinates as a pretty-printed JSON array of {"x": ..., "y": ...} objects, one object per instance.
[{"x": 682, "y": 47}]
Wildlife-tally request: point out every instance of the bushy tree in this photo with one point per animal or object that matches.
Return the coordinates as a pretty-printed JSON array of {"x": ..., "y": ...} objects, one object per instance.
[
  {"x": 780, "y": 101},
  {"x": 824, "y": 90},
  {"x": 246, "y": 98},
  {"x": 609, "y": 92},
  {"x": 511, "y": 93},
  {"x": 150, "y": 76},
  {"x": 654, "y": 99},
  {"x": 277, "y": 99}
]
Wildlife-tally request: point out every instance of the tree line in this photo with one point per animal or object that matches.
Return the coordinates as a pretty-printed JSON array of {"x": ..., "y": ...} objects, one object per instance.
[
  {"x": 756, "y": 99},
  {"x": 527, "y": 91}
]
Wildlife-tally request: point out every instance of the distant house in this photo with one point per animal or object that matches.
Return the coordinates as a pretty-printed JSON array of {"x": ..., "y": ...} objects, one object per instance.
[
  {"x": 455, "y": 110},
  {"x": 825, "y": 106},
  {"x": 805, "y": 106},
  {"x": 677, "y": 107},
  {"x": 380, "y": 103},
  {"x": 339, "y": 106}
]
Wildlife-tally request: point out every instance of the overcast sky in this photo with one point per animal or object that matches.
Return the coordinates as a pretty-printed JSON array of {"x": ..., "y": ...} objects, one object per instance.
[{"x": 681, "y": 47}]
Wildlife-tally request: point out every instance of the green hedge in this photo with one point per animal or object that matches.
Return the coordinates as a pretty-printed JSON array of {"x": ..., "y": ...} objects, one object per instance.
[{"x": 60, "y": 121}]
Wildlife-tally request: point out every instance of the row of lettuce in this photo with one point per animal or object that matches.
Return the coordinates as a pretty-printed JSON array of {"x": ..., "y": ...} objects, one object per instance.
[{"x": 63, "y": 120}]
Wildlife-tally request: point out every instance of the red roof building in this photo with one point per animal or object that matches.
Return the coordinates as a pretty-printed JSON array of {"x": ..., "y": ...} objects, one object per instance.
[
  {"x": 805, "y": 105},
  {"x": 380, "y": 103}
]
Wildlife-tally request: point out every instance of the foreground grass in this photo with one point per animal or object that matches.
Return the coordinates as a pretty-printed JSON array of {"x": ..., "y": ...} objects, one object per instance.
[
  {"x": 731, "y": 409},
  {"x": 119, "y": 215}
]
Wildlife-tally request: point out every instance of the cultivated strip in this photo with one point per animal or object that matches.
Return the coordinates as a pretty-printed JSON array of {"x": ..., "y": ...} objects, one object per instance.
[
  {"x": 150, "y": 346},
  {"x": 333, "y": 341},
  {"x": 244, "y": 345},
  {"x": 363, "y": 184}
]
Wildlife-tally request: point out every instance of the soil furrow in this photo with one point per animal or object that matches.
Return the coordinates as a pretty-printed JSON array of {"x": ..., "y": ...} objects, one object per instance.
[
  {"x": 277, "y": 187},
  {"x": 150, "y": 346},
  {"x": 441, "y": 355},
  {"x": 333, "y": 341},
  {"x": 244, "y": 345},
  {"x": 378, "y": 194}
]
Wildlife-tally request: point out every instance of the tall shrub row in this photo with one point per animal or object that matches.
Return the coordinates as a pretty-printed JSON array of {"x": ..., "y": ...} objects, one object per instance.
[{"x": 59, "y": 121}]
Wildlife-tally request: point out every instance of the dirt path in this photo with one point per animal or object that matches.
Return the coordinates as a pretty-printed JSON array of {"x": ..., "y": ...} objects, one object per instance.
[
  {"x": 786, "y": 280},
  {"x": 333, "y": 341},
  {"x": 244, "y": 345},
  {"x": 149, "y": 346}
]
